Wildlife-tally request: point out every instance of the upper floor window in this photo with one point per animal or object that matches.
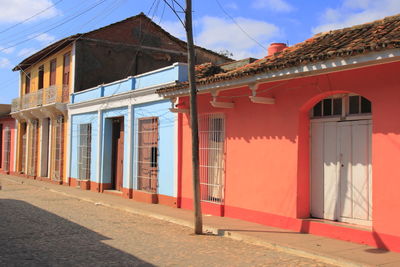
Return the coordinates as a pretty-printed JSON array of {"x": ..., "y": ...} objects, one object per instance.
[
  {"x": 53, "y": 66},
  {"x": 27, "y": 83},
  {"x": 40, "y": 77},
  {"x": 66, "y": 68},
  {"x": 342, "y": 105}
]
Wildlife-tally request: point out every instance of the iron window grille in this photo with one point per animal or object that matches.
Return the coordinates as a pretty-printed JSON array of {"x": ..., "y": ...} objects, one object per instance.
[
  {"x": 23, "y": 150},
  {"x": 211, "y": 152},
  {"x": 33, "y": 148},
  {"x": 147, "y": 154},
  {"x": 84, "y": 151},
  {"x": 58, "y": 153},
  {"x": 7, "y": 149}
]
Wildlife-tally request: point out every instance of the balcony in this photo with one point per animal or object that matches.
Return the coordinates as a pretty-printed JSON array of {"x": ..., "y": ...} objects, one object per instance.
[{"x": 38, "y": 104}]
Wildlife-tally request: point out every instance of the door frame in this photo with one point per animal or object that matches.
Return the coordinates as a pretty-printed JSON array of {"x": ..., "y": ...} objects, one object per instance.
[
  {"x": 117, "y": 184},
  {"x": 338, "y": 120}
]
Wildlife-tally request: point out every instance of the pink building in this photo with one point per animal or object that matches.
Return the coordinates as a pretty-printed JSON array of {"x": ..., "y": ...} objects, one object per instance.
[
  {"x": 7, "y": 138},
  {"x": 304, "y": 139}
]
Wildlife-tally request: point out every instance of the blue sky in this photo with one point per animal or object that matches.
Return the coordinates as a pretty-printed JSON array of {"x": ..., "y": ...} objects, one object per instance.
[{"x": 243, "y": 27}]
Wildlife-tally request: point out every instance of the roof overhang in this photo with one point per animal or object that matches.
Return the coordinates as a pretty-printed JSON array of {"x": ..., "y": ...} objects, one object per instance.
[
  {"x": 46, "y": 52},
  {"x": 312, "y": 69}
]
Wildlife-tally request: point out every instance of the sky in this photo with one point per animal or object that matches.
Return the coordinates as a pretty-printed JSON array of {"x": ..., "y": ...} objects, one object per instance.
[{"x": 242, "y": 28}]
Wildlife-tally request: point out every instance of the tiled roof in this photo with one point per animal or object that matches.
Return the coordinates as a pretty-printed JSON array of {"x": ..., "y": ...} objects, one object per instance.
[{"x": 374, "y": 36}]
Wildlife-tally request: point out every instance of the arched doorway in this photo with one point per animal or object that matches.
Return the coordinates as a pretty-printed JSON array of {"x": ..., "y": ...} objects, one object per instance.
[{"x": 341, "y": 176}]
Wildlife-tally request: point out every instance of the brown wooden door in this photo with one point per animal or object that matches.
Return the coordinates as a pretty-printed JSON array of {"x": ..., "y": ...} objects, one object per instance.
[
  {"x": 53, "y": 66},
  {"x": 66, "y": 72},
  {"x": 148, "y": 154},
  {"x": 117, "y": 153}
]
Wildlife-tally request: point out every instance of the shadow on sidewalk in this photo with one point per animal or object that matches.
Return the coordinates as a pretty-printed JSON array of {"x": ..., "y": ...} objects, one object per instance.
[{"x": 32, "y": 236}]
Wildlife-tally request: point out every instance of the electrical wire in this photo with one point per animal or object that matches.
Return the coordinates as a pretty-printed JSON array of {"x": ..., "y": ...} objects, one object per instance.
[
  {"x": 110, "y": 9},
  {"x": 58, "y": 25},
  {"x": 31, "y": 17},
  {"x": 42, "y": 25},
  {"x": 238, "y": 25}
]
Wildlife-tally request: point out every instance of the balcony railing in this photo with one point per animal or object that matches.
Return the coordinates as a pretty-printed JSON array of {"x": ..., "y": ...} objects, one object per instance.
[{"x": 50, "y": 95}]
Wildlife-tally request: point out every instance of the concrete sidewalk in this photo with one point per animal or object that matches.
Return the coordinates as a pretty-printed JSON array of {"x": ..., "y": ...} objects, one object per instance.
[{"x": 327, "y": 250}]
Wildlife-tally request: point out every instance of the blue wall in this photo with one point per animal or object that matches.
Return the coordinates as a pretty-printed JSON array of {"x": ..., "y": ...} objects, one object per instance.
[
  {"x": 76, "y": 120},
  {"x": 117, "y": 88},
  {"x": 160, "y": 109},
  {"x": 167, "y": 140},
  {"x": 175, "y": 72}
]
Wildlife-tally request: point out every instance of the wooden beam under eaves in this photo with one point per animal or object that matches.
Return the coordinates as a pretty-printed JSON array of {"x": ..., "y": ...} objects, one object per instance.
[
  {"x": 217, "y": 104},
  {"x": 178, "y": 110},
  {"x": 262, "y": 100}
]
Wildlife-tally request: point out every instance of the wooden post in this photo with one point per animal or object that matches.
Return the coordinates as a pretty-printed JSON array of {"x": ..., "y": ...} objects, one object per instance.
[{"x": 198, "y": 221}]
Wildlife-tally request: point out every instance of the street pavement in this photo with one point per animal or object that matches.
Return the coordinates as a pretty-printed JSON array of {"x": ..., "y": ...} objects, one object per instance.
[{"x": 41, "y": 227}]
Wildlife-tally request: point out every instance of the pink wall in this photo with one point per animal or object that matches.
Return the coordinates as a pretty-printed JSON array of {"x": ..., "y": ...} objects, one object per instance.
[
  {"x": 267, "y": 149},
  {"x": 8, "y": 122}
]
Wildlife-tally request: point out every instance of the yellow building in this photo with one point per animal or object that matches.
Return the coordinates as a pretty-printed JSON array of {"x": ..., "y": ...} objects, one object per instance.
[{"x": 41, "y": 111}]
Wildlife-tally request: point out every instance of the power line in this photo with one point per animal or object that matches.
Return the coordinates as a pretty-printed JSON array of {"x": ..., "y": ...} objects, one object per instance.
[
  {"x": 58, "y": 25},
  {"x": 238, "y": 25},
  {"x": 42, "y": 25},
  {"x": 175, "y": 12},
  {"x": 110, "y": 8},
  {"x": 31, "y": 17}
]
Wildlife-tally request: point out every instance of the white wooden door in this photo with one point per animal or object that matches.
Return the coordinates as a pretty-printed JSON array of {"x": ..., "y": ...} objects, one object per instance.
[{"x": 341, "y": 171}]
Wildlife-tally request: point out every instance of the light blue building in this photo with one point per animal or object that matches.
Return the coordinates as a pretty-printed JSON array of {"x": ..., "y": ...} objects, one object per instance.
[{"x": 123, "y": 137}]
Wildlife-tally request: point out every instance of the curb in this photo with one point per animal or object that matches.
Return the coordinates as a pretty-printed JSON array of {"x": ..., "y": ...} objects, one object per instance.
[{"x": 325, "y": 258}]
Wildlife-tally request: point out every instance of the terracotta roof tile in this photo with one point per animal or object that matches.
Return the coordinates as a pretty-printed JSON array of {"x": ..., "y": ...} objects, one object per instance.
[{"x": 374, "y": 36}]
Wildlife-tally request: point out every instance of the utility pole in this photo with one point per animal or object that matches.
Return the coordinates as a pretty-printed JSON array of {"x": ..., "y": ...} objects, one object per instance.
[{"x": 198, "y": 220}]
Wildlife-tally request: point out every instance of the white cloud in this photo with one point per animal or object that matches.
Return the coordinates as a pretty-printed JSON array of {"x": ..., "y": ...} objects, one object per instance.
[
  {"x": 44, "y": 38},
  {"x": 7, "y": 50},
  {"x": 18, "y": 10},
  {"x": 4, "y": 62},
  {"x": 232, "y": 5},
  {"x": 25, "y": 52},
  {"x": 220, "y": 34},
  {"x": 175, "y": 28},
  {"x": 353, "y": 12},
  {"x": 273, "y": 5}
]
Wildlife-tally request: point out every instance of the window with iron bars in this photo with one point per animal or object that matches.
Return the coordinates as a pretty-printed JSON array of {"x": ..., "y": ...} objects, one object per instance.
[
  {"x": 58, "y": 155},
  {"x": 147, "y": 154},
  {"x": 33, "y": 147},
  {"x": 7, "y": 149},
  {"x": 84, "y": 151},
  {"x": 211, "y": 153},
  {"x": 23, "y": 149}
]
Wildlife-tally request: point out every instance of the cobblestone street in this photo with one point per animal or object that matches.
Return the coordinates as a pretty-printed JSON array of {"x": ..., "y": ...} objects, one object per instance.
[{"x": 42, "y": 228}]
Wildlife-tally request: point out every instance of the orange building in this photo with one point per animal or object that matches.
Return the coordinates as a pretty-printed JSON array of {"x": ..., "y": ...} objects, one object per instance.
[{"x": 304, "y": 139}]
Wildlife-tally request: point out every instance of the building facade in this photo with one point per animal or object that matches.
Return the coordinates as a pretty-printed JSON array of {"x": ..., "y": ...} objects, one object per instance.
[
  {"x": 7, "y": 140},
  {"x": 48, "y": 77},
  {"x": 305, "y": 138},
  {"x": 123, "y": 138}
]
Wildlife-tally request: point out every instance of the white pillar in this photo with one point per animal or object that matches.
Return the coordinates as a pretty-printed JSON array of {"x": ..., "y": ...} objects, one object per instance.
[
  {"x": 176, "y": 154},
  {"x": 50, "y": 148},
  {"x": 99, "y": 146},
  {"x": 130, "y": 148},
  {"x": 69, "y": 136}
]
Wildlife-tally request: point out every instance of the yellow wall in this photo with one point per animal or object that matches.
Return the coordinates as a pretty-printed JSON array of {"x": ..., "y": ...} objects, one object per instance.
[{"x": 34, "y": 71}]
